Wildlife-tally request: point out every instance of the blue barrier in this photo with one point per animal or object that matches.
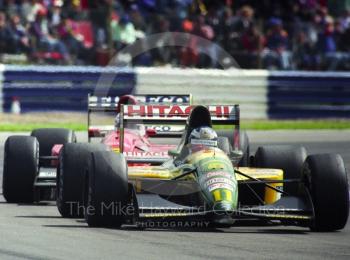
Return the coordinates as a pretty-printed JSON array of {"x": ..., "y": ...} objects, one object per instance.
[
  {"x": 262, "y": 94},
  {"x": 41, "y": 88},
  {"x": 308, "y": 95}
]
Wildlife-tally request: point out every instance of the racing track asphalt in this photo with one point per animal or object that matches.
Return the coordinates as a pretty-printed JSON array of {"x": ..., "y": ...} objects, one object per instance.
[{"x": 38, "y": 232}]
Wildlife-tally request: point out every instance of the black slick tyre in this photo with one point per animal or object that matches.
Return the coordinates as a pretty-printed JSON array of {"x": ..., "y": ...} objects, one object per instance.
[
  {"x": 107, "y": 191},
  {"x": 326, "y": 179},
  {"x": 21, "y": 162},
  {"x": 71, "y": 175},
  {"x": 289, "y": 158}
]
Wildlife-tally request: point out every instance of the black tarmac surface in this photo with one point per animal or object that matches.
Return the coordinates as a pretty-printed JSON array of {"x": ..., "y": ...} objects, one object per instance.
[{"x": 38, "y": 231}]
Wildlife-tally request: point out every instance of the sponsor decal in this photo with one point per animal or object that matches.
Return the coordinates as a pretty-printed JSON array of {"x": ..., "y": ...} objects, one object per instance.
[
  {"x": 215, "y": 166},
  {"x": 204, "y": 142},
  {"x": 167, "y": 99},
  {"x": 47, "y": 172},
  {"x": 165, "y": 128},
  {"x": 160, "y": 128},
  {"x": 219, "y": 180},
  {"x": 218, "y": 173},
  {"x": 146, "y": 154},
  {"x": 219, "y": 186},
  {"x": 179, "y": 111},
  {"x": 95, "y": 101}
]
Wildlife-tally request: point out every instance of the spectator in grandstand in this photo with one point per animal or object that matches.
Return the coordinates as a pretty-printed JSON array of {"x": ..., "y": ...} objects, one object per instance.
[
  {"x": 305, "y": 56},
  {"x": 99, "y": 14},
  {"x": 25, "y": 11},
  {"x": 203, "y": 45},
  {"x": 123, "y": 32},
  {"x": 73, "y": 41},
  {"x": 29, "y": 10},
  {"x": 40, "y": 27},
  {"x": 11, "y": 7},
  {"x": 327, "y": 46},
  {"x": 230, "y": 38},
  {"x": 163, "y": 53},
  {"x": 252, "y": 42},
  {"x": 188, "y": 55},
  {"x": 55, "y": 13},
  {"x": 6, "y": 39},
  {"x": 344, "y": 41},
  {"x": 277, "y": 53},
  {"x": 47, "y": 38},
  {"x": 214, "y": 19},
  {"x": 302, "y": 30},
  {"x": 75, "y": 10},
  {"x": 20, "y": 36},
  {"x": 137, "y": 19},
  {"x": 244, "y": 20},
  {"x": 345, "y": 20}
]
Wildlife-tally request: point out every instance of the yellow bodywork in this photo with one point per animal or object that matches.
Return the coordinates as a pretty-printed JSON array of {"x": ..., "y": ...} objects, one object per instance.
[{"x": 161, "y": 172}]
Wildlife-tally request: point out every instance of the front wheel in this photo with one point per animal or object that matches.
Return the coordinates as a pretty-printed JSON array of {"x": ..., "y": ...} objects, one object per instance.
[
  {"x": 70, "y": 177},
  {"x": 107, "y": 191},
  {"x": 325, "y": 177}
]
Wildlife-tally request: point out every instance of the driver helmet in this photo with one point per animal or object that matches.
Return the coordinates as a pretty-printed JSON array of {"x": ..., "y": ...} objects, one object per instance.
[
  {"x": 124, "y": 100},
  {"x": 204, "y": 136}
]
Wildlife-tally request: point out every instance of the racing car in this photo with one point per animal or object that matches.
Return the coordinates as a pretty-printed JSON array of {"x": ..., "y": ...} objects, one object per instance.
[
  {"x": 203, "y": 180},
  {"x": 30, "y": 162}
]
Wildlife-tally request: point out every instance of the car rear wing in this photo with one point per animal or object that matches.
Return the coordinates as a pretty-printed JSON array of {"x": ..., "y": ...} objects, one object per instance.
[
  {"x": 110, "y": 104},
  {"x": 174, "y": 117}
]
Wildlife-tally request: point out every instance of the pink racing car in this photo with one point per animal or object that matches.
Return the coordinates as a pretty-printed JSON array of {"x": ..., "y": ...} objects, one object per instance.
[
  {"x": 51, "y": 156},
  {"x": 137, "y": 136}
]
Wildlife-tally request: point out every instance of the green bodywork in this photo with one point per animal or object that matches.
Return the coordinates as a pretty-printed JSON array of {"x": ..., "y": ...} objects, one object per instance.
[{"x": 216, "y": 177}]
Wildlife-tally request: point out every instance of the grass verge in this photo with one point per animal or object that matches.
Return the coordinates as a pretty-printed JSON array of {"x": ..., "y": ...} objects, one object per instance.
[
  {"x": 77, "y": 121},
  {"x": 8, "y": 127},
  {"x": 295, "y": 124}
]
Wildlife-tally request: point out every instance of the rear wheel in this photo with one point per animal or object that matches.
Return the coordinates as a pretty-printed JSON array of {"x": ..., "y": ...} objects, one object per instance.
[
  {"x": 326, "y": 179},
  {"x": 48, "y": 137},
  {"x": 107, "y": 191},
  {"x": 70, "y": 178},
  {"x": 286, "y": 157},
  {"x": 21, "y": 162}
]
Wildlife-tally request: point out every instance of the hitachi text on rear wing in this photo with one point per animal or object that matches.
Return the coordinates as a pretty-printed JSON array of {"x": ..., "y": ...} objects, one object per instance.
[{"x": 175, "y": 118}]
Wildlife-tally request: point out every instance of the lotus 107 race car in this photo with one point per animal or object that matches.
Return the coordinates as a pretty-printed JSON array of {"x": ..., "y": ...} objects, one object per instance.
[
  {"x": 30, "y": 162},
  {"x": 205, "y": 180}
]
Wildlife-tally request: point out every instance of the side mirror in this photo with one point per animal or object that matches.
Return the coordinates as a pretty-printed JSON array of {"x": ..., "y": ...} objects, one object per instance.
[
  {"x": 151, "y": 132},
  {"x": 173, "y": 153}
]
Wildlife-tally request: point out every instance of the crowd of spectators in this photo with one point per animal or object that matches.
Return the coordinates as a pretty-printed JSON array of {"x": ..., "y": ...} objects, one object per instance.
[{"x": 271, "y": 34}]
